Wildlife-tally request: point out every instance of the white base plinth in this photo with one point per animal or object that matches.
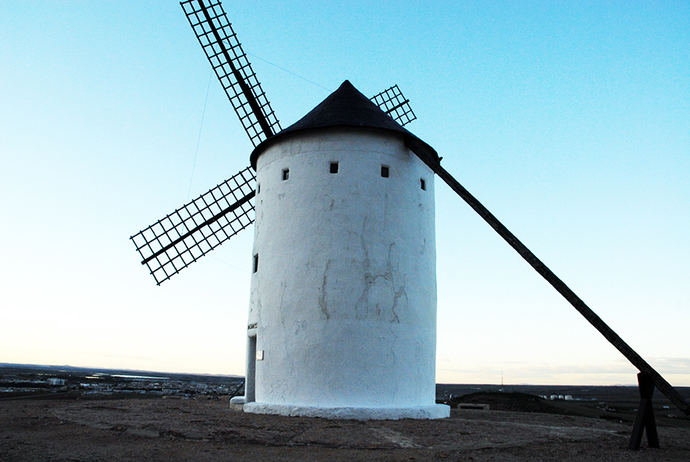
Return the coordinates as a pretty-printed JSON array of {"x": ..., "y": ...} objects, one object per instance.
[
  {"x": 236, "y": 403},
  {"x": 434, "y": 411}
]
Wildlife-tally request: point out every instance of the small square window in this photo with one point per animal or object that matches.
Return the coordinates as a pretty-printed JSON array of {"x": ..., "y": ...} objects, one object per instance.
[
  {"x": 422, "y": 184},
  {"x": 334, "y": 167},
  {"x": 256, "y": 263},
  {"x": 385, "y": 173},
  {"x": 286, "y": 173}
]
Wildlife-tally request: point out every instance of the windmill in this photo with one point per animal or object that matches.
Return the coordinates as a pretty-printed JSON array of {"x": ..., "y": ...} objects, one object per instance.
[{"x": 191, "y": 231}]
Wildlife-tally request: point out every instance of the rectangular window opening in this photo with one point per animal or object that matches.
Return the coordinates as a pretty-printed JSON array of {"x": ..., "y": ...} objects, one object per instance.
[
  {"x": 258, "y": 188},
  {"x": 422, "y": 183},
  {"x": 286, "y": 173},
  {"x": 334, "y": 167},
  {"x": 255, "y": 265},
  {"x": 385, "y": 173}
]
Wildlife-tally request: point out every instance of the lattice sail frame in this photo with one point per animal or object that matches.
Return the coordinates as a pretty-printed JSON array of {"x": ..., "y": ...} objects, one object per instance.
[
  {"x": 229, "y": 61},
  {"x": 392, "y": 102},
  {"x": 191, "y": 231}
]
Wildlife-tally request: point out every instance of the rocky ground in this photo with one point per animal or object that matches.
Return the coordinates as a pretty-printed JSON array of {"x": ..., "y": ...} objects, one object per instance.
[{"x": 207, "y": 429}]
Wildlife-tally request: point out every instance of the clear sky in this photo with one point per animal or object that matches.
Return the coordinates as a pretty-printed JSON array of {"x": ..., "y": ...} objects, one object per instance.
[{"x": 569, "y": 120}]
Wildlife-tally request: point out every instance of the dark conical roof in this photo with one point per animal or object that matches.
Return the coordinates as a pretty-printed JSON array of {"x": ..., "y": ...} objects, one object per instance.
[{"x": 347, "y": 107}]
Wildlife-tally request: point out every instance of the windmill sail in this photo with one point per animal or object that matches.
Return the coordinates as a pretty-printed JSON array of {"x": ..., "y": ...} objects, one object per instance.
[
  {"x": 392, "y": 102},
  {"x": 191, "y": 231},
  {"x": 229, "y": 61}
]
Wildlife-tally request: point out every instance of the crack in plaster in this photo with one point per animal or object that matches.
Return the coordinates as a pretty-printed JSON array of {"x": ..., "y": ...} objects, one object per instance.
[
  {"x": 323, "y": 299},
  {"x": 398, "y": 294},
  {"x": 283, "y": 286}
]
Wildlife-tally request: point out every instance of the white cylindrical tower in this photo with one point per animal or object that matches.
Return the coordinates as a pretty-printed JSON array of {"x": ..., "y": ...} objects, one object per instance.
[{"x": 342, "y": 317}]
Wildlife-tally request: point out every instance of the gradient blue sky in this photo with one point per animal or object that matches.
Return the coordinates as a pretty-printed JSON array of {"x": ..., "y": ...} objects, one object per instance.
[{"x": 569, "y": 120}]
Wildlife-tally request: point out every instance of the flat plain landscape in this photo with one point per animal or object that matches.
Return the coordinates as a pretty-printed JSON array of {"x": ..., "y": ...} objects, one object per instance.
[{"x": 194, "y": 421}]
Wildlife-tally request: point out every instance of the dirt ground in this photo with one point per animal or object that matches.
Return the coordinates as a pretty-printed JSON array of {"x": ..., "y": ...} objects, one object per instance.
[{"x": 205, "y": 429}]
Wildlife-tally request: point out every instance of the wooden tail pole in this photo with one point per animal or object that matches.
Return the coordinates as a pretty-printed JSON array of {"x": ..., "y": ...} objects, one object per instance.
[
  {"x": 644, "y": 421},
  {"x": 562, "y": 288}
]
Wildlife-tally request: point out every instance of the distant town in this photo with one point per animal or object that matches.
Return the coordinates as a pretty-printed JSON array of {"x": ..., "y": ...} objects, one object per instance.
[
  {"x": 20, "y": 380},
  {"x": 25, "y": 381}
]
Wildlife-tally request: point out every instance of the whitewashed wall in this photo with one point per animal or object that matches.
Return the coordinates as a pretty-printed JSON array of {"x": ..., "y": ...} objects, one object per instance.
[{"x": 343, "y": 303}]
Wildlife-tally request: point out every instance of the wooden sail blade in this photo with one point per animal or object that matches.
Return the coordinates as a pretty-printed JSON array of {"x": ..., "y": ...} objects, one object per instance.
[
  {"x": 234, "y": 71},
  {"x": 193, "y": 230},
  {"x": 393, "y": 102}
]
